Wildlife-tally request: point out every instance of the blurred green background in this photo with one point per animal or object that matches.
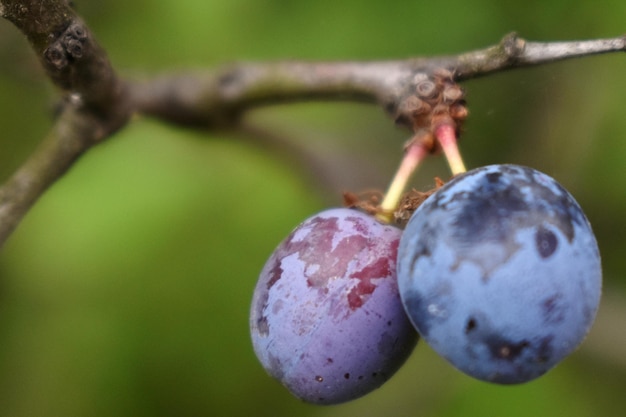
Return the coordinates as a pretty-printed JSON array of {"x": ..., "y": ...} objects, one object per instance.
[{"x": 126, "y": 290}]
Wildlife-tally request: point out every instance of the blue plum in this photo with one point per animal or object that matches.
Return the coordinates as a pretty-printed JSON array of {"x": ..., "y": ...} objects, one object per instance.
[
  {"x": 500, "y": 272},
  {"x": 326, "y": 317}
]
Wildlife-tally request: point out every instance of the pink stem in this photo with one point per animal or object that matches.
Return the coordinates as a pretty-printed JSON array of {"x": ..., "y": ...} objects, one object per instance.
[
  {"x": 446, "y": 135},
  {"x": 414, "y": 154}
]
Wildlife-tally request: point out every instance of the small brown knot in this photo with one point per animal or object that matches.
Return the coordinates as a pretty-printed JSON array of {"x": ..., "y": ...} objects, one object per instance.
[
  {"x": 426, "y": 89},
  {"x": 74, "y": 40},
  {"x": 55, "y": 56}
]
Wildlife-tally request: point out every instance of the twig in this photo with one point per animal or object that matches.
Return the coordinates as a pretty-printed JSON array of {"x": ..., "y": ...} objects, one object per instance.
[
  {"x": 215, "y": 98},
  {"x": 515, "y": 52},
  {"x": 71, "y": 137}
]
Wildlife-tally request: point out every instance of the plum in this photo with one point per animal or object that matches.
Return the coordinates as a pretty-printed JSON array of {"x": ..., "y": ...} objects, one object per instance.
[
  {"x": 500, "y": 272},
  {"x": 326, "y": 317}
]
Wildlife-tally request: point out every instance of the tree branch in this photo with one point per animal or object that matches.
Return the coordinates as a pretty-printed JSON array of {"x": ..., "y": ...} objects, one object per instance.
[
  {"x": 71, "y": 137},
  {"x": 217, "y": 98},
  {"x": 98, "y": 103},
  {"x": 67, "y": 50},
  {"x": 515, "y": 52}
]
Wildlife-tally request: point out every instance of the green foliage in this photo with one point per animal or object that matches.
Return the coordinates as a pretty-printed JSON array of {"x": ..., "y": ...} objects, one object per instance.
[{"x": 126, "y": 289}]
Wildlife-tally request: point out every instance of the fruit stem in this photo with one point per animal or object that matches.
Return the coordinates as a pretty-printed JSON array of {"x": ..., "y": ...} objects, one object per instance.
[
  {"x": 446, "y": 135},
  {"x": 415, "y": 152}
]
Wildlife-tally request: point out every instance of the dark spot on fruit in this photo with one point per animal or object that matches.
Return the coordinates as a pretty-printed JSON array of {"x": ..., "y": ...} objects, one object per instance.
[
  {"x": 503, "y": 349},
  {"x": 500, "y": 347},
  {"x": 553, "y": 309},
  {"x": 360, "y": 377},
  {"x": 546, "y": 242},
  {"x": 471, "y": 325},
  {"x": 374, "y": 374},
  {"x": 489, "y": 217},
  {"x": 494, "y": 177},
  {"x": 544, "y": 351},
  {"x": 346, "y": 376},
  {"x": 262, "y": 326},
  {"x": 319, "y": 378},
  {"x": 275, "y": 274},
  {"x": 329, "y": 360},
  {"x": 389, "y": 323},
  {"x": 278, "y": 305}
]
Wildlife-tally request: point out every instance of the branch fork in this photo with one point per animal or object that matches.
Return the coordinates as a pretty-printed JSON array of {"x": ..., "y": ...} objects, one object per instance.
[{"x": 100, "y": 103}]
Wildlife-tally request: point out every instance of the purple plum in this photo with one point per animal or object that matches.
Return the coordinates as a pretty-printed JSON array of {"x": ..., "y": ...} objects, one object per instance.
[{"x": 326, "y": 317}]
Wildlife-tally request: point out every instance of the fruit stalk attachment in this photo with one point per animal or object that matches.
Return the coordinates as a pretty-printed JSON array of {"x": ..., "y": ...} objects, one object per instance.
[
  {"x": 416, "y": 150},
  {"x": 435, "y": 111}
]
